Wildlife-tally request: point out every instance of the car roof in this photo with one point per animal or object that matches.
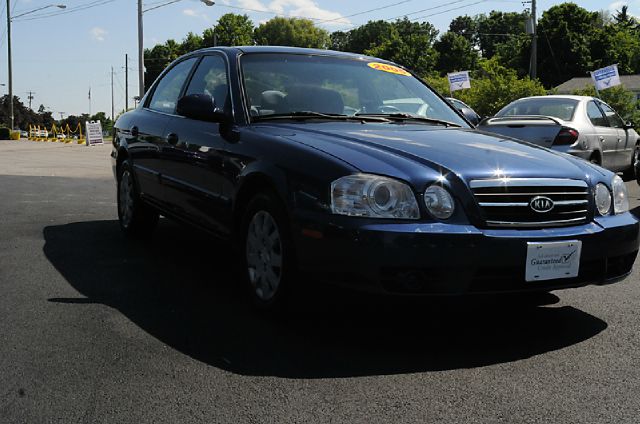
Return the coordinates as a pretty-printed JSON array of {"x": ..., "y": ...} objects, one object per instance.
[
  {"x": 290, "y": 50},
  {"x": 558, "y": 96}
]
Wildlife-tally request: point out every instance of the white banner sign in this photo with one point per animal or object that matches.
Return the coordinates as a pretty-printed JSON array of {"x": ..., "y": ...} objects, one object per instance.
[
  {"x": 94, "y": 133},
  {"x": 459, "y": 80},
  {"x": 606, "y": 77}
]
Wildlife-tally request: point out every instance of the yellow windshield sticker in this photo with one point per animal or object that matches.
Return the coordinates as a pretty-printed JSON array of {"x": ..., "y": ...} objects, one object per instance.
[{"x": 388, "y": 68}]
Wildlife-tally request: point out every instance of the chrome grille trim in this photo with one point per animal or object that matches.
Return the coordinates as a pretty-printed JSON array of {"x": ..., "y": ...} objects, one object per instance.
[
  {"x": 558, "y": 223},
  {"x": 542, "y": 193},
  {"x": 506, "y": 202},
  {"x": 520, "y": 204},
  {"x": 527, "y": 182}
]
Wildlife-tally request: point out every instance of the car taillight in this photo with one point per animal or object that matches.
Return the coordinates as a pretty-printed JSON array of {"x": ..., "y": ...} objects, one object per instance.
[{"x": 566, "y": 136}]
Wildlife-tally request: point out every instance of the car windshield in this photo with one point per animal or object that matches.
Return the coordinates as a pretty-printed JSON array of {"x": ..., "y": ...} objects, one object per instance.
[
  {"x": 286, "y": 84},
  {"x": 558, "y": 108}
]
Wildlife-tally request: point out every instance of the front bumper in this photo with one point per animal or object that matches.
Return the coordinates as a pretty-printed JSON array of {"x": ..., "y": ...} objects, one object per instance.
[{"x": 438, "y": 258}]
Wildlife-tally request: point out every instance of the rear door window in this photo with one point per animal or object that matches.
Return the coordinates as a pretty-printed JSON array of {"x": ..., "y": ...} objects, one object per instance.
[
  {"x": 166, "y": 93},
  {"x": 613, "y": 118},
  {"x": 595, "y": 115}
]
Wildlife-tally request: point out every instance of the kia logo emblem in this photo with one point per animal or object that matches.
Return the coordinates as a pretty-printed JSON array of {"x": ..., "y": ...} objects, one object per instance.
[{"x": 541, "y": 204}]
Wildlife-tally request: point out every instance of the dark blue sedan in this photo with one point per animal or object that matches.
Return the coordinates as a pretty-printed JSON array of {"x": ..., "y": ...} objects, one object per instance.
[{"x": 351, "y": 169}]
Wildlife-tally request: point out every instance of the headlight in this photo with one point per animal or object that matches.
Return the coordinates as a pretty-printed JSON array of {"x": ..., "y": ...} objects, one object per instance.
[
  {"x": 620, "y": 196},
  {"x": 373, "y": 196},
  {"x": 439, "y": 202},
  {"x": 603, "y": 199}
]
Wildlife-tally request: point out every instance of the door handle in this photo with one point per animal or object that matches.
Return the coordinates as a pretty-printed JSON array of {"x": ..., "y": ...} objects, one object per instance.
[
  {"x": 172, "y": 139},
  {"x": 134, "y": 131},
  {"x": 601, "y": 138}
]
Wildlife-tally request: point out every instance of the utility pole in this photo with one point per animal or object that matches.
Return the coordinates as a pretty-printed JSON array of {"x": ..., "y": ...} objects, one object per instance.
[
  {"x": 126, "y": 82},
  {"x": 112, "y": 105},
  {"x": 533, "y": 64},
  {"x": 30, "y": 97},
  {"x": 9, "y": 63},
  {"x": 140, "y": 52}
]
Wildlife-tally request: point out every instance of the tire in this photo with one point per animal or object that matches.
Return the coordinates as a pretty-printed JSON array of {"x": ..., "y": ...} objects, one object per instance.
[
  {"x": 266, "y": 251},
  {"x": 137, "y": 219},
  {"x": 630, "y": 173}
]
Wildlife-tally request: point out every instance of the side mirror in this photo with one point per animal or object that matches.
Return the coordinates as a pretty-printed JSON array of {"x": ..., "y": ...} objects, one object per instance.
[
  {"x": 627, "y": 126},
  {"x": 470, "y": 115},
  {"x": 201, "y": 107}
]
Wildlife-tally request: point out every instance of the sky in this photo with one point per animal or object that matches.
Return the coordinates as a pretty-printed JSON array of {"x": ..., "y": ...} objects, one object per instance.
[{"x": 60, "y": 54}]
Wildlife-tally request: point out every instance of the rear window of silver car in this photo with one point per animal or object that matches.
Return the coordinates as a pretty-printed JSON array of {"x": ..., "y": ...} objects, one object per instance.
[{"x": 558, "y": 108}]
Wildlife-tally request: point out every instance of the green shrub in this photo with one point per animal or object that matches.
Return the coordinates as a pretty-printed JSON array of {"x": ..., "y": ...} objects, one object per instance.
[{"x": 492, "y": 87}]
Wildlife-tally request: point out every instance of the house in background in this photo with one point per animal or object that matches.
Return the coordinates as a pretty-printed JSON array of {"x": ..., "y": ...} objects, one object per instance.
[{"x": 630, "y": 82}]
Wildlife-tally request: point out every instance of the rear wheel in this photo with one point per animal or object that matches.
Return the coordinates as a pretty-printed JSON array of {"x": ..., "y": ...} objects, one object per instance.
[
  {"x": 136, "y": 218},
  {"x": 595, "y": 159},
  {"x": 268, "y": 264}
]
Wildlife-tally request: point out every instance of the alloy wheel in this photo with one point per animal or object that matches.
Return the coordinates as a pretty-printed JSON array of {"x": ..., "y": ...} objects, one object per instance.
[{"x": 264, "y": 255}]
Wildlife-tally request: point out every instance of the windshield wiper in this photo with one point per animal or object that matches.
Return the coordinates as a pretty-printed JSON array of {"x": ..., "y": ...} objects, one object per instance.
[
  {"x": 402, "y": 117},
  {"x": 309, "y": 114}
]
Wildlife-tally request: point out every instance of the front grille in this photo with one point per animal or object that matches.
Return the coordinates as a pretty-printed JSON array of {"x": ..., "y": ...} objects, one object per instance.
[{"x": 506, "y": 202}]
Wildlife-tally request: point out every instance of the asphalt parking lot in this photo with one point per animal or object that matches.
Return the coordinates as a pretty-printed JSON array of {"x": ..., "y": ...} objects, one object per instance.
[{"x": 95, "y": 328}]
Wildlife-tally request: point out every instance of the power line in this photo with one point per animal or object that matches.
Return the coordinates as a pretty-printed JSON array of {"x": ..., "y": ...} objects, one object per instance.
[
  {"x": 367, "y": 11},
  {"x": 426, "y": 10},
  {"x": 449, "y": 10},
  {"x": 91, "y": 5}
]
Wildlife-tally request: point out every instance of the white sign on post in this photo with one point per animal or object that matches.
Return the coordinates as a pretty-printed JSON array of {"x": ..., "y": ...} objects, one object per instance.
[
  {"x": 459, "y": 80},
  {"x": 94, "y": 133},
  {"x": 606, "y": 77}
]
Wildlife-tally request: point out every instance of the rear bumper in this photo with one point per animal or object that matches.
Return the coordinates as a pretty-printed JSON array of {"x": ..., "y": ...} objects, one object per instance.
[
  {"x": 437, "y": 258},
  {"x": 583, "y": 154}
]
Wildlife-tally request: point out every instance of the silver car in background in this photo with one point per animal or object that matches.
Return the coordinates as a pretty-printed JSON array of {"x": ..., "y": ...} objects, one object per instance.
[{"x": 579, "y": 125}]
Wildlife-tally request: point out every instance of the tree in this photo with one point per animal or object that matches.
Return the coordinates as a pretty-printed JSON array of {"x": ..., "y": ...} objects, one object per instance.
[
  {"x": 23, "y": 116},
  {"x": 465, "y": 26},
  {"x": 296, "y": 32},
  {"x": 515, "y": 53},
  {"x": 455, "y": 53},
  {"x": 190, "y": 43},
  {"x": 339, "y": 40},
  {"x": 617, "y": 43},
  {"x": 370, "y": 35},
  {"x": 231, "y": 30},
  {"x": 409, "y": 44},
  {"x": 497, "y": 28},
  {"x": 564, "y": 51},
  {"x": 623, "y": 18}
]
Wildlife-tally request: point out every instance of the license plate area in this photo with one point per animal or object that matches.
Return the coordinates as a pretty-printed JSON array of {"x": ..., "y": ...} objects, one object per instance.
[{"x": 552, "y": 260}]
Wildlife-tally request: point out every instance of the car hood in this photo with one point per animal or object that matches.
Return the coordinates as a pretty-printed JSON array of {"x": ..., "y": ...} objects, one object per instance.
[{"x": 407, "y": 151}]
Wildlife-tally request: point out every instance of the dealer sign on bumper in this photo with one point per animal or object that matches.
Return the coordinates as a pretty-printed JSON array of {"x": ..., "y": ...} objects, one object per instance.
[{"x": 552, "y": 260}]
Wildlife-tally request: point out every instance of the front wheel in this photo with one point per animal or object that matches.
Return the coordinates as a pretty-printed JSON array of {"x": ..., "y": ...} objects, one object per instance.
[{"x": 268, "y": 264}]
